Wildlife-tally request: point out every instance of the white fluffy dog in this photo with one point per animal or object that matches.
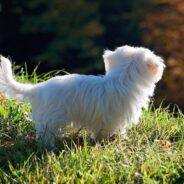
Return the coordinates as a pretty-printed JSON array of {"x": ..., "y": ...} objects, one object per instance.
[{"x": 100, "y": 104}]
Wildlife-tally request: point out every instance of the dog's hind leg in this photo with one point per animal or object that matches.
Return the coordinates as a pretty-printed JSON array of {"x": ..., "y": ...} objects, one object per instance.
[{"x": 46, "y": 135}]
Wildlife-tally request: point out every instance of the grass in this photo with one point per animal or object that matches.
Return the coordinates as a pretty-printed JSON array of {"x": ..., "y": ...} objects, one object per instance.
[{"x": 152, "y": 153}]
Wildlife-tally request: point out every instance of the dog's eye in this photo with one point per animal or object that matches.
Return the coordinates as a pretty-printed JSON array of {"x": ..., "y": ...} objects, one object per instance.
[{"x": 152, "y": 68}]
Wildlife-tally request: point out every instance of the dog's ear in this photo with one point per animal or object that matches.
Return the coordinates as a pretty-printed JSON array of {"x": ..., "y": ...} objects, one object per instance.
[{"x": 108, "y": 59}]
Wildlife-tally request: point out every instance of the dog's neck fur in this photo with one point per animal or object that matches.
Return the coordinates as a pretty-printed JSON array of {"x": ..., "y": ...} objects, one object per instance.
[{"x": 133, "y": 91}]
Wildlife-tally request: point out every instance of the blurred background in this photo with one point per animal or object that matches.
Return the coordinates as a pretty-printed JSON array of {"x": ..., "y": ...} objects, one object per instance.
[{"x": 72, "y": 35}]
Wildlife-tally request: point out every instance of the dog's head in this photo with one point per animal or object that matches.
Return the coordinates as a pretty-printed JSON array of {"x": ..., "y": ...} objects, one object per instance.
[{"x": 141, "y": 59}]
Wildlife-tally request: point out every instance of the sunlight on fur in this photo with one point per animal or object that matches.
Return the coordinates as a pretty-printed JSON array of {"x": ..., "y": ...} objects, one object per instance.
[{"x": 102, "y": 105}]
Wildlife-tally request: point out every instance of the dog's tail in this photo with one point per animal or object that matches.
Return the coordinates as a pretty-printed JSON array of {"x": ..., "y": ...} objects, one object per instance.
[{"x": 8, "y": 85}]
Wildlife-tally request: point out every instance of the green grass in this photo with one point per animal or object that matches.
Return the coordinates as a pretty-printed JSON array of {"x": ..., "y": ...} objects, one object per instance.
[{"x": 141, "y": 158}]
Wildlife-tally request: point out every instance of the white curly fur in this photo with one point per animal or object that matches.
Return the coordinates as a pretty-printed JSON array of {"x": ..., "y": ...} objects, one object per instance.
[{"x": 100, "y": 104}]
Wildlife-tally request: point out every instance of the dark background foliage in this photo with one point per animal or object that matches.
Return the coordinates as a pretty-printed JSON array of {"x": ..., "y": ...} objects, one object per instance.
[{"x": 72, "y": 35}]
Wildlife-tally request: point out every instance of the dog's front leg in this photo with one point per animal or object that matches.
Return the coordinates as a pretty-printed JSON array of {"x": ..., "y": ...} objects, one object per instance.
[{"x": 102, "y": 134}]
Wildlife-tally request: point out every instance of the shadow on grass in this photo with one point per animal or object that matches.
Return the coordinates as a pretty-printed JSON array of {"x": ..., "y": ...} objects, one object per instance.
[
  {"x": 18, "y": 152},
  {"x": 76, "y": 141}
]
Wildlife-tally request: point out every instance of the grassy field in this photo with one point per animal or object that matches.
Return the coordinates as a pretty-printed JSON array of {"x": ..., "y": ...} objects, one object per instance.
[{"x": 152, "y": 153}]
